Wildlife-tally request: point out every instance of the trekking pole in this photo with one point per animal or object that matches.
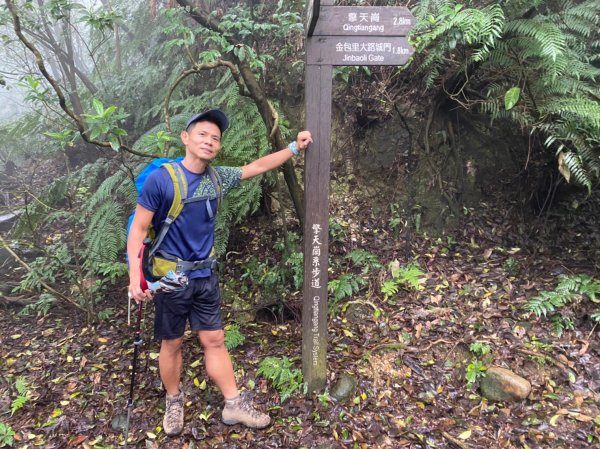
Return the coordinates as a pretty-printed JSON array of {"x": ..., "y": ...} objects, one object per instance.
[{"x": 136, "y": 344}]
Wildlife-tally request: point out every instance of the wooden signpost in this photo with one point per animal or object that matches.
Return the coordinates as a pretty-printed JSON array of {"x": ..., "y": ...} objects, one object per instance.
[{"x": 336, "y": 36}]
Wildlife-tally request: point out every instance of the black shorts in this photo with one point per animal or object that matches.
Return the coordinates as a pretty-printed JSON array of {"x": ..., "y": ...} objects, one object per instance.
[{"x": 200, "y": 303}]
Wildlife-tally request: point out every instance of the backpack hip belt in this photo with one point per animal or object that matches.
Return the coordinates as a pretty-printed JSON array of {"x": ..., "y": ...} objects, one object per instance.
[
  {"x": 161, "y": 263},
  {"x": 184, "y": 266}
]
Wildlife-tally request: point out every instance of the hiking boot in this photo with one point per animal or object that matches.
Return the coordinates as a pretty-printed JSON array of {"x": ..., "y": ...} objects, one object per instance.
[
  {"x": 173, "y": 420},
  {"x": 241, "y": 411}
]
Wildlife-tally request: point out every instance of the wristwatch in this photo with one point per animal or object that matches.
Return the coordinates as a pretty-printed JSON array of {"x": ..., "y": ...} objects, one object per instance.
[{"x": 294, "y": 147}]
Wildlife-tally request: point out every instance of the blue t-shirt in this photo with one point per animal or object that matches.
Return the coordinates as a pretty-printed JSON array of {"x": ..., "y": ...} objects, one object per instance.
[{"x": 192, "y": 235}]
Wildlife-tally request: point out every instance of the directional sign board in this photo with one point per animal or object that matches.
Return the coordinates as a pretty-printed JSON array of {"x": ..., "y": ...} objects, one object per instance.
[
  {"x": 359, "y": 35},
  {"x": 357, "y": 50},
  {"x": 363, "y": 21},
  {"x": 336, "y": 36}
]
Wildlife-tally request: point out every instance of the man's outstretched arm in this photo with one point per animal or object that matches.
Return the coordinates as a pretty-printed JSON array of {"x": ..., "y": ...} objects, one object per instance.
[{"x": 274, "y": 160}]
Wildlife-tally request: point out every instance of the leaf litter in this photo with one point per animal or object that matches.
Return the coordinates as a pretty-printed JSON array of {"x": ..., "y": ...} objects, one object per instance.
[{"x": 409, "y": 360}]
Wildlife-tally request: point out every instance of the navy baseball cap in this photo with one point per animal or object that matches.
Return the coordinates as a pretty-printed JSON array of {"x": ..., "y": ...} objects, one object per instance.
[{"x": 212, "y": 115}]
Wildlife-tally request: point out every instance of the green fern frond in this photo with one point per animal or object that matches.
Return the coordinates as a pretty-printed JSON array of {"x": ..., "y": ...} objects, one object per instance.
[
  {"x": 233, "y": 337},
  {"x": 345, "y": 286},
  {"x": 549, "y": 36},
  {"x": 561, "y": 323},
  {"x": 587, "y": 111},
  {"x": 581, "y": 19},
  {"x": 23, "y": 392},
  {"x": 582, "y": 284},
  {"x": 546, "y": 303},
  {"x": 577, "y": 170},
  {"x": 41, "y": 307},
  {"x": 284, "y": 377},
  {"x": 389, "y": 288},
  {"x": 451, "y": 25},
  {"x": 501, "y": 56},
  {"x": 590, "y": 155},
  {"x": 18, "y": 403},
  {"x": 569, "y": 289},
  {"x": 105, "y": 237},
  {"x": 411, "y": 275},
  {"x": 107, "y": 190},
  {"x": 21, "y": 386},
  {"x": 361, "y": 257}
]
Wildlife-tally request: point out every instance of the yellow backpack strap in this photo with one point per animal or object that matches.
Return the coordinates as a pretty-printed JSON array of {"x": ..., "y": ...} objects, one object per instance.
[{"x": 180, "y": 190}]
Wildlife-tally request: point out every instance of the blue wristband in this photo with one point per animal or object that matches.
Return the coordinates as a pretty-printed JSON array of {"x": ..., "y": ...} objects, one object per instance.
[{"x": 294, "y": 147}]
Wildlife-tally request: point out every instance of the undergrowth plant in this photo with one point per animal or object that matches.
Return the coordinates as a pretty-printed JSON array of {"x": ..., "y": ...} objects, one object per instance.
[
  {"x": 233, "y": 336},
  {"x": 344, "y": 287},
  {"x": 7, "y": 435},
  {"x": 349, "y": 283},
  {"x": 286, "y": 379},
  {"x": 478, "y": 365},
  {"x": 570, "y": 289},
  {"x": 364, "y": 259},
  {"x": 479, "y": 348},
  {"x": 276, "y": 278},
  {"x": 534, "y": 64},
  {"x": 23, "y": 395},
  {"x": 78, "y": 228},
  {"x": 475, "y": 370},
  {"x": 410, "y": 277}
]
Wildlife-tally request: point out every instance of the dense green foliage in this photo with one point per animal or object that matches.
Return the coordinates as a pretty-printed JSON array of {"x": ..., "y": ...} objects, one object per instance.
[
  {"x": 131, "y": 77},
  {"x": 135, "y": 79},
  {"x": 533, "y": 63}
]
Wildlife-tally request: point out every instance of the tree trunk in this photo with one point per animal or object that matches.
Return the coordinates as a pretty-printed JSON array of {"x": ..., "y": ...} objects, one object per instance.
[{"x": 68, "y": 64}]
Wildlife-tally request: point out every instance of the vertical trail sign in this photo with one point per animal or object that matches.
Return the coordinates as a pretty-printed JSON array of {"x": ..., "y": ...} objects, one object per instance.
[{"x": 336, "y": 36}]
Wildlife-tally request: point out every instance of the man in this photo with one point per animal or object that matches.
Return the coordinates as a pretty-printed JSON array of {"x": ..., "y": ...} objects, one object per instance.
[{"x": 191, "y": 238}]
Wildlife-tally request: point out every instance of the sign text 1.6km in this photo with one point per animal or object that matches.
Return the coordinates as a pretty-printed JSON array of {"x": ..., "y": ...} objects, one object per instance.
[{"x": 357, "y": 50}]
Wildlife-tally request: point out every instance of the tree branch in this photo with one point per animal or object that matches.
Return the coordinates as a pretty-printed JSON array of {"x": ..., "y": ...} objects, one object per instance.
[
  {"x": 257, "y": 94},
  {"x": 28, "y": 268},
  {"x": 197, "y": 68},
  {"x": 56, "y": 87}
]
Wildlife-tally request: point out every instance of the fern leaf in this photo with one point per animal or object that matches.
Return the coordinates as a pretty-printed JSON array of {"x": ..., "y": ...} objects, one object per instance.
[
  {"x": 549, "y": 36},
  {"x": 21, "y": 386},
  {"x": 18, "y": 403},
  {"x": 575, "y": 166}
]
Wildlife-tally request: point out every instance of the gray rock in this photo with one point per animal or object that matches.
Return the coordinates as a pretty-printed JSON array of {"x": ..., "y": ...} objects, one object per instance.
[
  {"x": 358, "y": 313},
  {"x": 344, "y": 387},
  {"x": 427, "y": 397},
  {"x": 500, "y": 384},
  {"x": 118, "y": 423}
]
